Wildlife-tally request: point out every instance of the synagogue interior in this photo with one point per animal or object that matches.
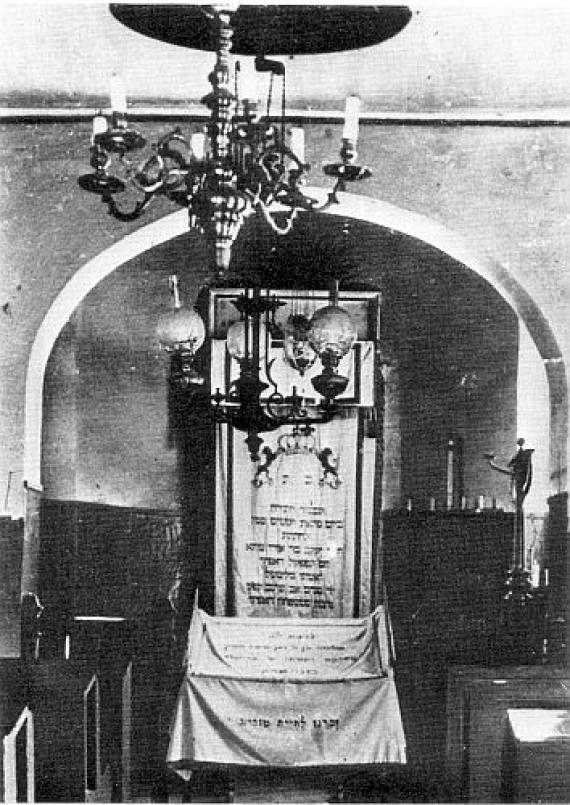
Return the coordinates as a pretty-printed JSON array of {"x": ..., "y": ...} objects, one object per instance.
[{"x": 284, "y": 422}]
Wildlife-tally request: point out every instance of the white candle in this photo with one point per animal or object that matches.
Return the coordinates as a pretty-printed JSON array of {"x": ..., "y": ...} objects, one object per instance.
[
  {"x": 99, "y": 124},
  {"x": 297, "y": 142},
  {"x": 248, "y": 81},
  {"x": 449, "y": 500},
  {"x": 67, "y": 647},
  {"x": 118, "y": 94},
  {"x": 351, "y": 114},
  {"x": 198, "y": 145}
]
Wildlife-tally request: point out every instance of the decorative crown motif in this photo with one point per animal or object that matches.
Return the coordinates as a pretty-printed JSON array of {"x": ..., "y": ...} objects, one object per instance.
[{"x": 300, "y": 441}]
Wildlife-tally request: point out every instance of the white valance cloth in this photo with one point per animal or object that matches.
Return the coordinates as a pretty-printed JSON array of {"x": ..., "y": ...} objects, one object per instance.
[{"x": 287, "y": 692}]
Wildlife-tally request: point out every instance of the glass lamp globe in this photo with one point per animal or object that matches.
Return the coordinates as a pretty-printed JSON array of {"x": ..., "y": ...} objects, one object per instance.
[
  {"x": 181, "y": 326},
  {"x": 332, "y": 332},
  {"x": 235, "y": 340}
]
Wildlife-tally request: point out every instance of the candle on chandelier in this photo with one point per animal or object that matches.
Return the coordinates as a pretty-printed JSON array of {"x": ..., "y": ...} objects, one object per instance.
[
  {"x": 248, "y": 82},
  {"x": 297, "y": 142},
  {"x": 351, "y": 116},
  {"x": 118, "y": 95},
  {"x": 99, "y": 124},
  {"x": 198, "y": 145}
]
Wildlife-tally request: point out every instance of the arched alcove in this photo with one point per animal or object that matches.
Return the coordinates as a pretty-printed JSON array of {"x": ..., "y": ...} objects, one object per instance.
[
  {"x": 451, "y": 325},
  {"x": 363, "y": 212},
  {"x": 451, "y": 342}
]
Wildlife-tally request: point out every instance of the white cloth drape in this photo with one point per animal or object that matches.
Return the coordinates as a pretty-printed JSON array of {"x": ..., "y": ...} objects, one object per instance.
[
  {"x": 287, "y": 692},
  {"x": 293, "y": 537}
]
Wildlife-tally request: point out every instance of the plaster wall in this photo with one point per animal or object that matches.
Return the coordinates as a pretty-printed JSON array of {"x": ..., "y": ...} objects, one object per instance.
[
  {"x": 109, "y": 432},
  {"x": 503, "y": 189}
]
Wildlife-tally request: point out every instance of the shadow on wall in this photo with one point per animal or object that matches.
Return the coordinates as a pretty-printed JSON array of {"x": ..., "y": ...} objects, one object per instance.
[{"x": 106, "y": 432}]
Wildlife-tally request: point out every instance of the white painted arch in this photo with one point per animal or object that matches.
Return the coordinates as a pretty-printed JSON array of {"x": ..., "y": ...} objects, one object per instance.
[{"x": 365, "y": 209}]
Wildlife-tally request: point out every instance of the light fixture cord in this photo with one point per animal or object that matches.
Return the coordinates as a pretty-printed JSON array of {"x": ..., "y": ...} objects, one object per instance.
[
  {"x": 246, "y": 326},
  {"x": 269, "y": 94},
  {"x": 268, "y": 330},
  {"x": 283, "y": 111}
]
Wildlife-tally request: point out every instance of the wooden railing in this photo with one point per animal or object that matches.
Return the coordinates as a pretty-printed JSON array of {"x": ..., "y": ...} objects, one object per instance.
[
  {"x": 85, "y": 711},
  {"x": 126, "y": 731},
  {"x": 71, "y": 741},
  {"x": 92, "y": 775},
  {"x": 18, "y": 757}
]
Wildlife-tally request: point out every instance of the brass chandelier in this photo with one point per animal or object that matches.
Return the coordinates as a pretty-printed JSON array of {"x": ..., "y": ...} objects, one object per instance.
[{"x": 243, "y": 164}]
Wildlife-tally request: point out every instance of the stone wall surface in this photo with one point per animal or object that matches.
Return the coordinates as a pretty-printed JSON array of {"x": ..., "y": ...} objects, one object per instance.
[{"x": 503, "y": 189}]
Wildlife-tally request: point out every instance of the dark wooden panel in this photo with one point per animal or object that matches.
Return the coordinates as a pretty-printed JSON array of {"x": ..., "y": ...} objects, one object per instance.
[
  {"x": 557, "y": 560},
  {"x": 445, "y": 573},
  {"x": 56, "y": 698},
  {"x": 105, "y": 560},
  {"x": 57, "y": 704},
  {"x": 536, "y": 768},
  {"x": 477, "y": 704}
]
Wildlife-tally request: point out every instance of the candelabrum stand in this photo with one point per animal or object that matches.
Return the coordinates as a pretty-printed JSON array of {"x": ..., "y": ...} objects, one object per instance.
[{"x": 521, "y": 619}]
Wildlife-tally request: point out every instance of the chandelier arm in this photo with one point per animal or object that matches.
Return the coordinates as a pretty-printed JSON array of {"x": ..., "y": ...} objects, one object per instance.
[
  {"x": 327, "y": 413},
  {"x": 161, "y": 185},
  {"x": 293, "y": 198},
  {"x": 279, "y": 230},
  {"x": 298, "y": 412},
  {"x": 295, "y": 415},
  {"x": 143, "y": 172},
  {"x": 253, "y": 196},
  {"x": 179, "y": 173},
  {"x": 332, "y": 199},
  {"x": 164, "y": 150},
  {"x": 151, "y": 189},
  {"x": 127, "y": 215},
  {"x": 275, "y": 399},
  {"x": 286, "y": 151},
  {"x": 271, "y": 174}
]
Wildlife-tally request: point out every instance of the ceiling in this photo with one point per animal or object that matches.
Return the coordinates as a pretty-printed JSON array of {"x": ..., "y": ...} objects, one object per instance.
[{"x": 450, "y": 56}]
